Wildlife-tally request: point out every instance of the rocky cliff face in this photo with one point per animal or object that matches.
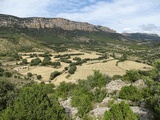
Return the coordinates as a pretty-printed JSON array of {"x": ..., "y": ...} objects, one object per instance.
[{"x": 37, "y": 23}]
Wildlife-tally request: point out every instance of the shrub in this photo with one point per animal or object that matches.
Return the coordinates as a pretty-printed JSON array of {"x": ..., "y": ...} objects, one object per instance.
[
  {"x": 54, "y": 74},
  {"x": 39, "y": 77},
  {"x": 56, "y": 64},
  {"x": 35, "y": 61},
  {"x": 130, "y": 93},
  {"x": 132, "y": 75},
  {"x": 72, "y": 69},
  {"x": 24, "y": 61},
  {"x": 29, "y": 74},
  {"x": 35, "y": 102},
  {"x": 7, "y": 74},
  {"x": 120, "y": 111}
]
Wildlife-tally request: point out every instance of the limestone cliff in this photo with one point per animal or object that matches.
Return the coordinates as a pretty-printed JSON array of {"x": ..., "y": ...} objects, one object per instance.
[{"x": 37, "y": 23}]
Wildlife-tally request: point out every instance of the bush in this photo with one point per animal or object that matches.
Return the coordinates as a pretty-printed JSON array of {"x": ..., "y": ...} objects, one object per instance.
[
  {"x": 120, "y": 111},
  {"x": 1, "y": 71},
  {"x": 7, "y": 74},
  {"x": 39, "y": 77},
  {"x": 35, "y": 102},
  {"x": 130, "y": 93},
  {"x": 29, "y": 74},
  {"x": 72, "y": 69},
  {"x": 99, "y": 94},
  {"x": 7, "y": 94},
  {"x": 54, "y": 74},
  {"x": 66, "y": 60},
  {"x": 116, "y": 77},
  {"x": 132, "y": 75},
  {"x": 98, "y": 79},
  {"x": 56, "y": 64},
  {"x": 82, "y": 100},
  {"x": 35, "y": 62},
  {"x": 24, "y": 61}
]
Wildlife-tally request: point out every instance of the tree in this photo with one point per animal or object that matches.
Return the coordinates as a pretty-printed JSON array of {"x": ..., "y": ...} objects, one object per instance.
[
  {"x": 24, "y": 61},
  {"x": 98, "y": 79},
  {"x": 54, "y": 74},
  {"x": 46, "y": 61},
  {"x": 35, "y": 61},
  {"x": 56, "y": 64},
  {"x": 120, "y": 111},
  {"x": 35, "y": 102},
  {"x": 7, "y": 94},
  {"x": 82, "y": 100},
  {"x": 132, "y": 75},
  {"x": 72, "y": 69},
  {"x": 39, "y": 77},
  {"x": 29, "y": 74},
  {"x": 7, "y": 74}
]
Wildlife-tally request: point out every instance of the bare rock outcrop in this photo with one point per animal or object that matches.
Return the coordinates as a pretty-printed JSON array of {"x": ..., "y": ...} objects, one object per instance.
[
  {"x": 72, "y": 111},
  {"x": 41, "y": 23},
  {"x": 144, "y": 114},
  {"x": 116, "y": 85},
  {"x": 99, "y": 111}
]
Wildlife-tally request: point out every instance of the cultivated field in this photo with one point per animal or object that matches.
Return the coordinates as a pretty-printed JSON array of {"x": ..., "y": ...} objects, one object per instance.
[{"x": 106, "y": 66}]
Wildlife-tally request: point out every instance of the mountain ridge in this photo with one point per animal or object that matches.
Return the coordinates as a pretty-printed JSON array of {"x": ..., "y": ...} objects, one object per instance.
[
  {"x": 41, "y": 23},
  {"x": 142, "y": 36}
]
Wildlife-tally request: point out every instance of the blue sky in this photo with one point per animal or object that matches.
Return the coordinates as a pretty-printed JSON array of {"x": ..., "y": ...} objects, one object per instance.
[{"x": 120, "y": 15}]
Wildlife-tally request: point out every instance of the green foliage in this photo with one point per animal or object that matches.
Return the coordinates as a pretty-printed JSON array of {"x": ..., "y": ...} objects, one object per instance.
[
  {"x": 99, "y": 94},
  {"x": 39, "y": 77},
  {"x": 72, "y": 69},
  {"x": 46, "y": 61},
  {"x": 29, "y": 74},
  {"x": 1, "y": 71},
  {"x": 116, "y": 77},
  {"x": 110, "y": 103},
  {"x": 132, "y": 75},
  {"x": 7, "y": 94},
  {"x": 154, "y": 105},
  {"x": 64, "y": 90},
  {"x": 120, "y": 111},
  {"x": 98, "y": 79},
  {"x": 56, "y": 64},
  {"x": 7, "y": 74},
  {"x": 54, "y": 74},
  {"x": 24, "y": 61},
  {"x": 77, "y": 59},
  {"x": 66, "y": 60},
  {"x": 14, "y": 56},
  {"x": 35, "y": 62},
  {"x": 156, "y": 64},
  {"x": 82, "y": 100},
  {"x": 130, "y": 93},
  {"x": 35, "y": 102}
]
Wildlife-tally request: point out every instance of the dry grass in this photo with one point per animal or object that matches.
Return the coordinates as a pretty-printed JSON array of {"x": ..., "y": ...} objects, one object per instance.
[
  {"x": 109, "y": 67},
  {"x": 127, "y": 65}
]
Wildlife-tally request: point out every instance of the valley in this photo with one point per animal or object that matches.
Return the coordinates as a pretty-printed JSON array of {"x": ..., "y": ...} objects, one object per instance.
[
  {"x": 94, "y": 61},
  {"x": 54, "y": 68}
]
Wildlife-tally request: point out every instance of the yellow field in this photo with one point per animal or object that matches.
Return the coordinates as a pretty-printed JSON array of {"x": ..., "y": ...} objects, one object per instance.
[{"x": 108, "y": 68}]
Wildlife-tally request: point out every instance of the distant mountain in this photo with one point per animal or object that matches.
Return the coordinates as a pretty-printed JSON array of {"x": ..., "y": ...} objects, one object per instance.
[
  {"x": 42, "y": 23},
  {"x": 142, "y": 36},
  {"x": 35, "y": 33},
  {"x": 55, "y": 32}
]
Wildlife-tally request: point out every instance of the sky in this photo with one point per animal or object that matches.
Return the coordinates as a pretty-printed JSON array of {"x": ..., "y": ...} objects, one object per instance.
[{"x": 120, "y": 15}]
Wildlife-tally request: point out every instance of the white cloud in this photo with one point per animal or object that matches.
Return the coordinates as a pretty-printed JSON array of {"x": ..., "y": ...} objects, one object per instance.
[
  {"x": 130, "y": 13},
  {"x": 116, "y": 14},
  {"x": 25, "y": 8}
]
